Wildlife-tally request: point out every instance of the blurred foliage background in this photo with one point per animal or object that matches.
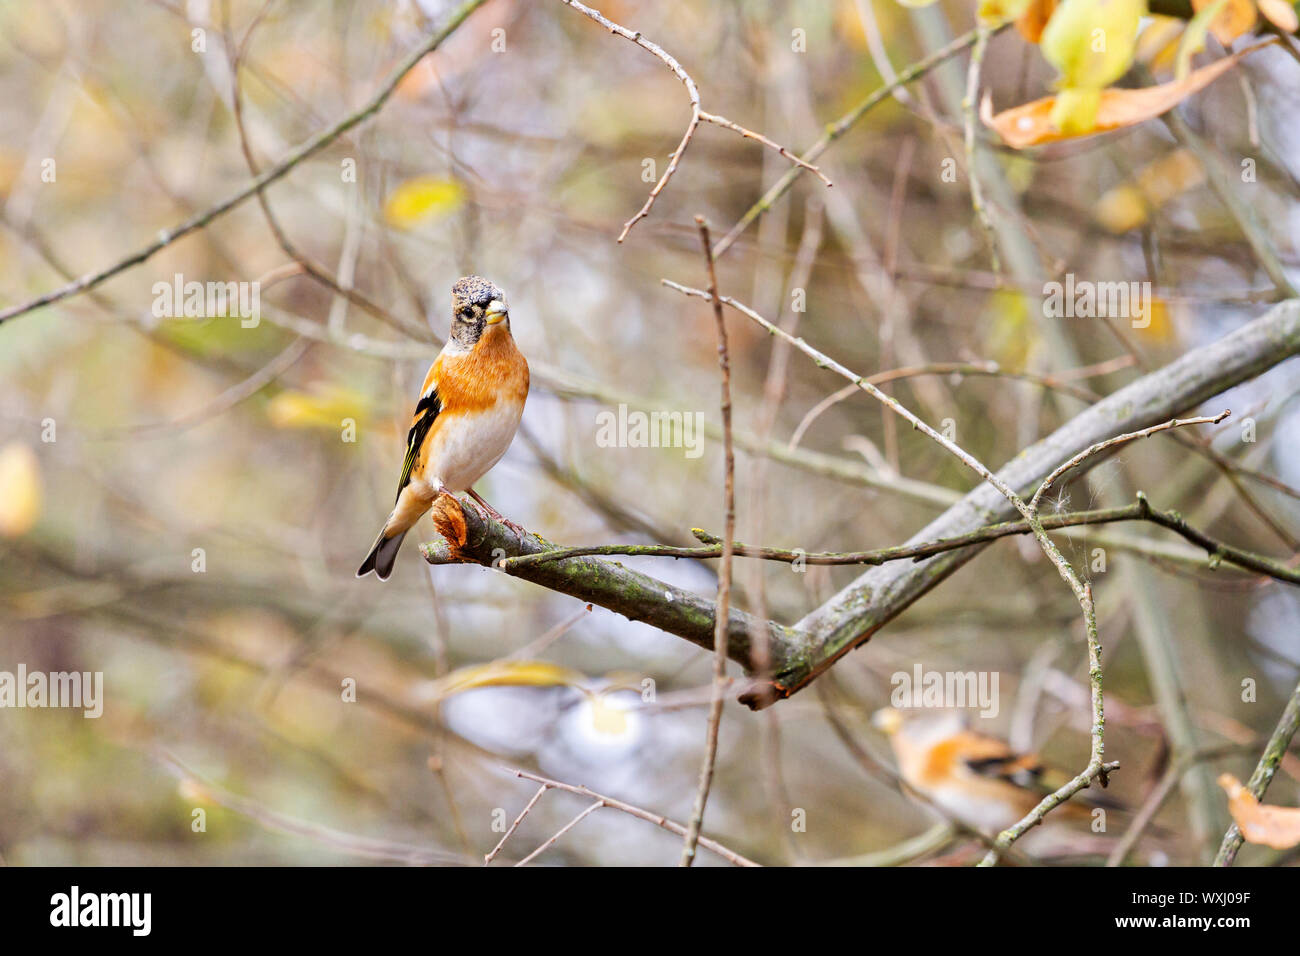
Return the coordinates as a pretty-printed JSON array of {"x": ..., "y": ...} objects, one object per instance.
[{"x": 185, "y": 502}]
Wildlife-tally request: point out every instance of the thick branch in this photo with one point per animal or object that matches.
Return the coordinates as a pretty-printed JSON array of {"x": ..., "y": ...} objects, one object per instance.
[
  {"x": 881, "y": 594},
  {"x": 800, "y": 653},
  {"x": 472, "y": 537}
]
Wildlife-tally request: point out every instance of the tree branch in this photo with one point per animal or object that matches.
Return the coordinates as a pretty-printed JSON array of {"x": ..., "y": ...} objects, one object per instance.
[
  {"x": 470, "y": 537},
  {"x": 314, "y": 145},
  {"x": 851, "y": 617}
]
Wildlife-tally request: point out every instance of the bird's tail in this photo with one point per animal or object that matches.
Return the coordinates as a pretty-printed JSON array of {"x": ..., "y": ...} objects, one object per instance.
[{"x": 383, "y": 554}]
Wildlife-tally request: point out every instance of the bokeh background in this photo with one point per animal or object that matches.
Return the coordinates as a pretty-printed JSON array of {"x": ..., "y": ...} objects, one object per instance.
[{"x": 193, "y": 528}]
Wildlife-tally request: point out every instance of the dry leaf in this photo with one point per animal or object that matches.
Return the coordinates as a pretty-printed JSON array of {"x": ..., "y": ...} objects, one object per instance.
[
  {"x": 506, "y": 673},
  {"x": 1281, "y": 14},
  {"x": 1034, "y": 19},
  {"x": 1278, "y": 827},
  {"x": 1031, "y": 124},
  {"x": 1236, "y": 18}
]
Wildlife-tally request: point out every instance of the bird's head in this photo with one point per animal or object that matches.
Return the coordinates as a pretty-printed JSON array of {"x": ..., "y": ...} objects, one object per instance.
[
  {"x": 926, "y": 725},
  {"x": 477, "y": 305}
]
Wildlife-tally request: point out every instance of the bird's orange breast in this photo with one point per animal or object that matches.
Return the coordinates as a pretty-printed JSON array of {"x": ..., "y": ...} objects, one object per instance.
[{"x": 494, "y": 370}]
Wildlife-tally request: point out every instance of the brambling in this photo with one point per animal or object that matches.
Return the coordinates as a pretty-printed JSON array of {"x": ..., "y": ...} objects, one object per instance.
[
  {"x": 975, "y": 778},
  {"x": 469, "y": 409}
]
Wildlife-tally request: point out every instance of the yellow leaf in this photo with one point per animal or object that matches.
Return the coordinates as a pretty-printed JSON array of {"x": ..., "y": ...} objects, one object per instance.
[
  {"x": 1075, "y": 111},
  {"x": 995, "y": 11},
  {"x": 1128, "y": 206},
  {"x": 1122, "y": 208},
  {"x": 506, "y": 673},
  {"x": 1278, "y": 827},
  {"x": 325, "y": 407},
  {"x": 1230, "y": 19},
  {"x": 1281, "y": 14},
  {"x": 1031, "y": 123},
  {"x": 1160, "y": 324},
  {"x": 20, "y": 490},
  {"x": 422, "y": 200},
  {"x": 1091, "y": 42}
]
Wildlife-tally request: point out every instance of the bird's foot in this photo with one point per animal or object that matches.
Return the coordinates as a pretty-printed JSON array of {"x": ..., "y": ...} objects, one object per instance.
[{"x": 518, "y": 530}]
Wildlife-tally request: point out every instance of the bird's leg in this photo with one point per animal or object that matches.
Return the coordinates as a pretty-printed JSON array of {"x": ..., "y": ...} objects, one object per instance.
[{"x": 517, "y": 529}]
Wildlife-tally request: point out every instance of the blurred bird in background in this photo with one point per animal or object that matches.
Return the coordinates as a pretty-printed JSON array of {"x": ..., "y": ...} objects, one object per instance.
[
  {"x": 975, "y": 778},
  {"x": 469, "y": 409}
]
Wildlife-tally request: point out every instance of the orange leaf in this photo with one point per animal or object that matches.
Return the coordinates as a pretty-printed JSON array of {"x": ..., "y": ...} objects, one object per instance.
[
  {"x": 1235, "y": 19},
  {"x": 1031, "y": 124},
  {"x": 1278, "y": 827},
  {"x": 1031, "y": 22},
  {"x": 1281, "y": 14}
]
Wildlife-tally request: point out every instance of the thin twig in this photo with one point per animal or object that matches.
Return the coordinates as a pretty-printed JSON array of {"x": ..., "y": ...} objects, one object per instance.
[
  {"x": 1101, "y": 446},
  {"x": 698, "y": 115},
  {"x": 514, "y": 826},
  {"x": 982, "y": 33},
  {"x": 341, "y": 288},
  {"x": 559, "y": 833},
  {"x": 1274, "y": 751},
  {"x": 1140, "y": 510},
  {"x": 671, "y": 826},
  {"x": 724, "y": 573},
  {"x": 1082, "y": 592},
  {"x": 312, "y": 146},
  {"x": 841, "y": 126},
  {"x": 1057, "y": 382}
]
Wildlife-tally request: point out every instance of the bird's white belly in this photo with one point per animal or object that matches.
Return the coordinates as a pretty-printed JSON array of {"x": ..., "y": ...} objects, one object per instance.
[
  {"x": 976, "y": 810},
  {"x": 466, "y": 448}
]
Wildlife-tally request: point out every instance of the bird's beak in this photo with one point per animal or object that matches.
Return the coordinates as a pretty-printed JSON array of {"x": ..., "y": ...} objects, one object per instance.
[{"x": 496, "y": 312}]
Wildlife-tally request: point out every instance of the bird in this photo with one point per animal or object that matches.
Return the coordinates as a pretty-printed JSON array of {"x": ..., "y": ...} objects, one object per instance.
[
  {"x": 973, "y": 777},
  {"x": 469, "y": 409}
]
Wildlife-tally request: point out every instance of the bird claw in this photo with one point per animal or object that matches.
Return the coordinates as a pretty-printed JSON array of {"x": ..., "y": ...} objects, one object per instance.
[{"x": 488, "y": 511}]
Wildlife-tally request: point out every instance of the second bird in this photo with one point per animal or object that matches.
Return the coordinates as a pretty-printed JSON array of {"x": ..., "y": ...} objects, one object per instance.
[{"x": 467, "y": 415}]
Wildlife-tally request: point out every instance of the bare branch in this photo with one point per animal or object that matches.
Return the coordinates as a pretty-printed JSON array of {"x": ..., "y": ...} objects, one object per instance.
[
  {"x": 698, "y": 115},
  {"x": 724, "y": 573},
  {"x": 308, "y": 149},
  {"x": 660, "y": 821}
]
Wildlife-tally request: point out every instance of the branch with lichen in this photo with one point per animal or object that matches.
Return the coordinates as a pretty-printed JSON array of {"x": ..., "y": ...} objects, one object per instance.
[
  {"x": 1140, "y": 510},
  {"x": 1274, "y": 751},
  {"x": 804, "y": 650},
  {"x": 471, "y": 537}
]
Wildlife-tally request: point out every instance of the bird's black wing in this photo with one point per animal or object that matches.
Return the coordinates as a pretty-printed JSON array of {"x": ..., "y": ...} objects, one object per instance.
[{"x": 425, "y": 413}]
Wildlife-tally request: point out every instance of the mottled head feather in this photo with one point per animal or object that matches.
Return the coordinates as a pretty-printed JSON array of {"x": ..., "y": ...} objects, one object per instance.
[
  {"x": 470, "y": 298},
  {"x": 471, "y": 291}
]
